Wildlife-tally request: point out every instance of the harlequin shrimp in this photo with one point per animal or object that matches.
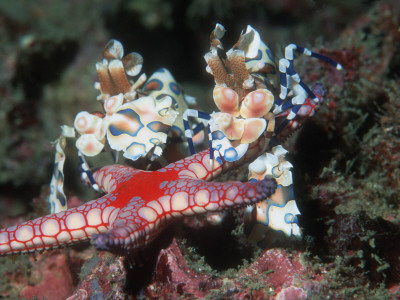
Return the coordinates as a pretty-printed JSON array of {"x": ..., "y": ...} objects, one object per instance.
[
  {"x": 247, "y": 93},
  {"x": 256, "y": 97},
  {"x": 138, "y": 116},
  {"x": 137, "y": 205}
]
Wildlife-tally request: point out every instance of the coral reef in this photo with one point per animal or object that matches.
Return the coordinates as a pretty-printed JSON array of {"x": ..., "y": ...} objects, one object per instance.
[{"x": 346, "y": 158}]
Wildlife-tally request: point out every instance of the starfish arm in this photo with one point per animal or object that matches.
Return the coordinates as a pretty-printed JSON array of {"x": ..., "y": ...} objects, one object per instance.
[
  {"x": 197, "y": 196},
  {"x": 57, "y": 230},
  {"x": 109, "y": 178},
  {"x": 134, "y": 226},
  {"x": 199, "y": 166}
]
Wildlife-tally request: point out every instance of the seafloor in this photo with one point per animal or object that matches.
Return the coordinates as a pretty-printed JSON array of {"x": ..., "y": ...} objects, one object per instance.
[{"x": 346, "y": 158}]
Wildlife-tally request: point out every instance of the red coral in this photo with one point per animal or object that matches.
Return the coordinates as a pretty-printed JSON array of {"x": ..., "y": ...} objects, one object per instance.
[
  {"x": 274, "y": 271},
  {"x": 53, "y": 271}
]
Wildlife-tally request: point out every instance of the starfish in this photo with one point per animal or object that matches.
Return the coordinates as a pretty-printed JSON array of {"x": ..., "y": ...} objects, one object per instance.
[{"x": 138, "y": 205}]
